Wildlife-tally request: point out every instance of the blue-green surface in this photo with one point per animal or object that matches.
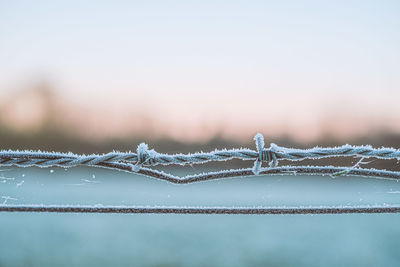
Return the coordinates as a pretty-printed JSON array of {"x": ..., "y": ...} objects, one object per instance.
[{"x": 28, "y": 239}]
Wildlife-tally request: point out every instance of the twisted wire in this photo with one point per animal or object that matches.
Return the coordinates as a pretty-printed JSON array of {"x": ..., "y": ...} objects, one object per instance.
[
  {"x": 137, "y": 162},
  {"x": 283, "y": 170}
]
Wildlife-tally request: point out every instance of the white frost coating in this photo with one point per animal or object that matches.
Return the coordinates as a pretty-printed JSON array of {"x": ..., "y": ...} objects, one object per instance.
[
  {"x": 260, "y": 146},
  {"x": 6, "y": 178},
  {"x": 20, "y": 184},
  {"x": 347, "y": 170},
  {"x": 90, "y": 181},
  {"x": 203, "y": 210},
  {"x": 6, "y": 198}
]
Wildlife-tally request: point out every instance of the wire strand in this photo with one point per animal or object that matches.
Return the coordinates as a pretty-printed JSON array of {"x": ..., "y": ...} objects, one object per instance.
[
  {"x": 199, "y": 210},
  {"x": 143, "y": 158}
]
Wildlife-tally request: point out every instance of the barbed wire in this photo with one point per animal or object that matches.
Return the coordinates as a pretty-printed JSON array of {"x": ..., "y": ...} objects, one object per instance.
[
  {"x": 144, "y": 158},
  {"x": 140, "y": 161},
  {"x": 201, "y": 210}
]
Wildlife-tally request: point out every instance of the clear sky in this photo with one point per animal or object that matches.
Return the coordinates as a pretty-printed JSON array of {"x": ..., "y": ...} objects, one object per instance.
[{"x": 197, "y": 68}]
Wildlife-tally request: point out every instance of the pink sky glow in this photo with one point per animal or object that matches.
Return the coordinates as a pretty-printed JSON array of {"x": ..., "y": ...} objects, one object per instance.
[{"x": 302, "y": 69}]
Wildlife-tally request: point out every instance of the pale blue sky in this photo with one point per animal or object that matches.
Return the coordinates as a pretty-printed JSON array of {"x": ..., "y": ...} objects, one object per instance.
[{"x": 273, "y": 66}]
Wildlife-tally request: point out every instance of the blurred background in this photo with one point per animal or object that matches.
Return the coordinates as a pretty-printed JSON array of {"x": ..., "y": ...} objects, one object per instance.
[
  {"x": 93, "y": 76},
  {"x": 183, "y": 76}
]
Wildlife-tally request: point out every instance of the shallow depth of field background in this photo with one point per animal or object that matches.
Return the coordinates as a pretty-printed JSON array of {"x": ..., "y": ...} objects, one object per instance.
[{"x": 96, "y": 76}]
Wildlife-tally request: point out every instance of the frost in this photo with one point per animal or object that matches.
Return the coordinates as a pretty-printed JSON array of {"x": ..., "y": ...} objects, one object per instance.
[
  {"x": 7, "y": 178},
  {"x": 6, "y": 198},
  {"x": 20, "y": 183},
  {"x": 139, "y": 161},
  {"x": 393, "y": 192},
  {"x": 89, "y": 181},
  {"x": 4, "y": 179}
]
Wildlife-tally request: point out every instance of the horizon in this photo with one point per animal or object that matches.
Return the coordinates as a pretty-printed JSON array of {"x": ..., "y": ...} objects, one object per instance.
[{"x": 28, "y": 110}]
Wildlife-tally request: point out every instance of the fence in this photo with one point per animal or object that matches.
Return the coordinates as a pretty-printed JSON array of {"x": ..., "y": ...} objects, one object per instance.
[{"x": 144, "y": 158}]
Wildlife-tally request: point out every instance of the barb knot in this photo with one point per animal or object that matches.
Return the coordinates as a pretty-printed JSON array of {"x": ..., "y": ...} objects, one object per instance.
[
  {"x": 268, "y": 155},
  {"x": 144, "y": 155}
]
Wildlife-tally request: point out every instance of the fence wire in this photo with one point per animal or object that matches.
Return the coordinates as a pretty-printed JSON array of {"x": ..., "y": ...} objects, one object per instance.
[
  {"x": 141, "y": 161},
  {"x": 144, "y": 158}
]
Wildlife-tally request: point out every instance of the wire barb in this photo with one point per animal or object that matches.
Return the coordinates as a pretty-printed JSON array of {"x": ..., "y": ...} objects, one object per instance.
[
  {"x": 144, "y": 156},
  {"x": 267, "y": 155},
  {"x": 138, "y": 162}
]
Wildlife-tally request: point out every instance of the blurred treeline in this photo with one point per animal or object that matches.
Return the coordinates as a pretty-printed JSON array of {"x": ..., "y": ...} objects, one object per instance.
[{"x": 51, "y": 132}]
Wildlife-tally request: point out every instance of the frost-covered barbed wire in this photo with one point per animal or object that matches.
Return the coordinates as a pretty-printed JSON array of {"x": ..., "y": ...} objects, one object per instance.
[{"x": 143, "y": 158}]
